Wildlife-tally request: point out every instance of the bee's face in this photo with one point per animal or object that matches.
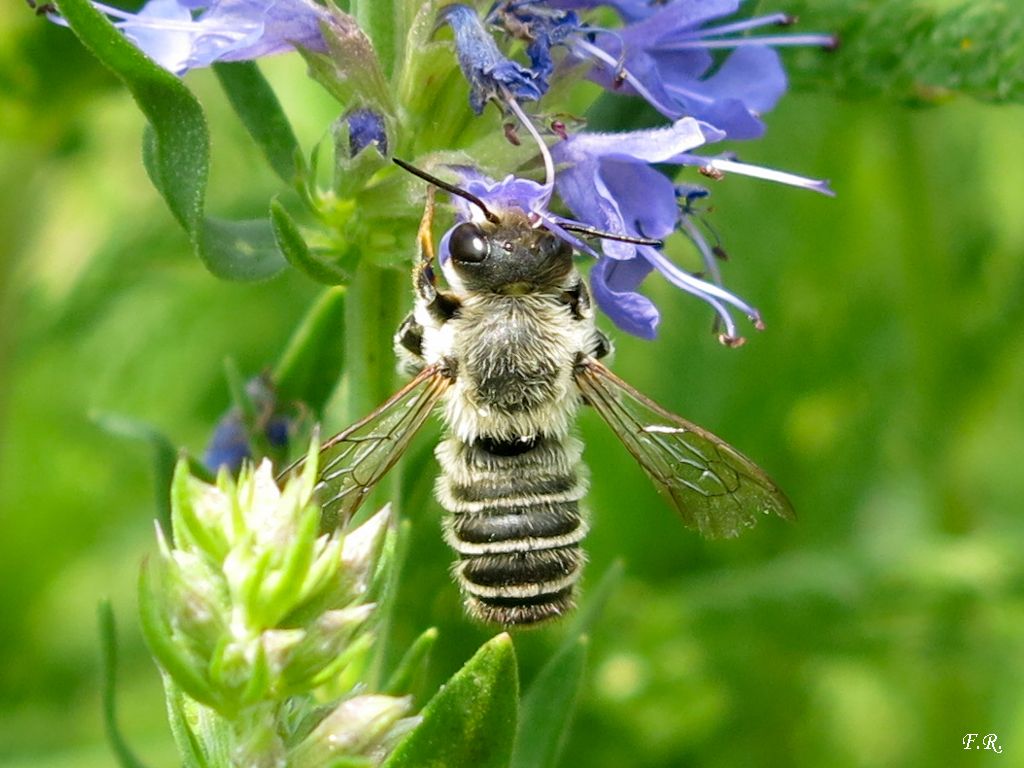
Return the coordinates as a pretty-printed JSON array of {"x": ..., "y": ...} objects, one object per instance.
[{"x": 509, "y": 257}]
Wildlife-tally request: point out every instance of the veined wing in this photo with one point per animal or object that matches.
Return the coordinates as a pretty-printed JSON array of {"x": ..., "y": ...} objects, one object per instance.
[
  {"x": 354, "y": 460},
  {"x": 717, "y": 490}
]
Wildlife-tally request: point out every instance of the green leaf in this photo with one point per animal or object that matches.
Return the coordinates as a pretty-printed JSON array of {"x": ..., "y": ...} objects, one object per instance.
[
  {"x": 383, "y": 589},
  {"x": 176, "y": 151},
  {"x": 596, "y": 600},
  {"x": 472, "y": 719},
  {"x": 548, "y": 707},
  {"x": 313, "y": 361},
  {"x": 108, "y": 649},
  {"x": 257, "y": 687},
  {"x": 257, "y": 106},
  {"x": 238, "y": 250},
  {"x": 379, "y": 20},
  {"x": 189, "y": 531},
  {"x": 291, "y": 243},
  {"x": 189, "y": 747},
  {"x": 412, "y": 664},
  {"x": 913, "y": 51},
  {"x": 351, "y": 70},
  {"x": 179, "y": 665},
  {"x": 237, "y": 387},
  {"x": 300, "y": 552}
]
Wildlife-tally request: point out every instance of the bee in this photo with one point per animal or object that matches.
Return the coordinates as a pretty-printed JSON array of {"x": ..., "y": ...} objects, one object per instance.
[{"x": 510, "y": 351}]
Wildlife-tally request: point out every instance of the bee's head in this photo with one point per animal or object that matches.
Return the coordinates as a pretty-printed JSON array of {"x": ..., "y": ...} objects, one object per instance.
[
  {"x": 508, "y": 256},
  {"x": 501, "y": 249}
]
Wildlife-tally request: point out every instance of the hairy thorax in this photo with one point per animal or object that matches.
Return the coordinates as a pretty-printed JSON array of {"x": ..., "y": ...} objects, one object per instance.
[{"x": 515, "y": 358}]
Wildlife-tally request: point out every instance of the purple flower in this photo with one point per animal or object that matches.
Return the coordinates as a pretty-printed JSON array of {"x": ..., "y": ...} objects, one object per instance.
[
  {"x": 608, "y": 182},
  {"x": 609, "y": 185},
  {"x": 666, "y": 57},
  {"x": 491, "y": 75},
  {"x": 180, "y": 35}
]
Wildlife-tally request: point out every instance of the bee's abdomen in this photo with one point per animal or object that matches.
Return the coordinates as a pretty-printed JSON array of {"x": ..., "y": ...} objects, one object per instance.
[{"x": 516, "y": 525}]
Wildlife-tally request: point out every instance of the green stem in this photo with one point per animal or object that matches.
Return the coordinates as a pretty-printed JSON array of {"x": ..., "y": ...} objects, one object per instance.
[{"x": 376, "y": 303}]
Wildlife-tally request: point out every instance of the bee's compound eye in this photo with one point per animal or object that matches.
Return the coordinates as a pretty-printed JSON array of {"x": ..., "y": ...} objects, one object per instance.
[{"x": 467, "y": 244}]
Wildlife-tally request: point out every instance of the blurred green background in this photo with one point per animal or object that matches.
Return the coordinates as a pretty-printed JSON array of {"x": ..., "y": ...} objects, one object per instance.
[{"x": 886, "y": 397}]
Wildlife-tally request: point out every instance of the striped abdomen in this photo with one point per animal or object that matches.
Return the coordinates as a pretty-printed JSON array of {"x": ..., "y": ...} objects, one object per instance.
[{"x": 515, "y": 523}]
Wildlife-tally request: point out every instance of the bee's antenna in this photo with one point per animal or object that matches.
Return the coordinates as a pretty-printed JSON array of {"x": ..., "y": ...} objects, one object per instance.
[
  {"x": 490, "y": 215},
  {"x": 583, "y": 229}
]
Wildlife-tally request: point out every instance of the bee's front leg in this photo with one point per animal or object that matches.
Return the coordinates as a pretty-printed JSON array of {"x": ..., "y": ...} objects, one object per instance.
[
  {"x": 577, "y": 298},
  {"x": 603, "y": 346},
  {"x": 440, "y": 305},
  {"x": 409, "y": 346}
]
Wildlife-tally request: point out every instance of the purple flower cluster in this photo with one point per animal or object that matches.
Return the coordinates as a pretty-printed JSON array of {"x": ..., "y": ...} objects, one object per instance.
[{"x": 666, "y": 53}]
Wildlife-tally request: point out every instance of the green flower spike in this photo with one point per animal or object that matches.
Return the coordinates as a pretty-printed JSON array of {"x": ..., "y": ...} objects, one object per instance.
[{"x": 260, "y": 624}]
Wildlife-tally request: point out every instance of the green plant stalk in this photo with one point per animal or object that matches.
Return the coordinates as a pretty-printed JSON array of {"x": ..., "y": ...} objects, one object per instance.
[{"x": 376, "y": 303}]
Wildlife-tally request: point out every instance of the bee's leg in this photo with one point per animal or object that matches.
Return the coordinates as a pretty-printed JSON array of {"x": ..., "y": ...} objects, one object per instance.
[
  {"x": 441, "y": 306},
  {"x": 409, "y": 346},
  {"x": 578, "y": 300},
  {"x": 602, "y": 345}
]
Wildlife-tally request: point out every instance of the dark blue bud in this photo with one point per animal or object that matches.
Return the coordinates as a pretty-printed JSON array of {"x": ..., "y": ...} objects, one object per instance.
[{"x": 366, "y": 128}]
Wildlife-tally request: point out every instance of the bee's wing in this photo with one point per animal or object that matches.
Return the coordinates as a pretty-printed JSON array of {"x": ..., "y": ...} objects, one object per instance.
[
  {"x": 716, "y": 489},
  {"x": 354, "y": 460}
]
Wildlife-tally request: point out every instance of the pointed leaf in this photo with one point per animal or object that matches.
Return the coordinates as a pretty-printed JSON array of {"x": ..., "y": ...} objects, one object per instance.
[
  {"x": 384, "y": 587},
  {"x": 257, "y": 106},
  {"x": 548, "y": 707},
  {"x": 189, "y": 531},
  {"x": 291, "y": 243},
  {"x": 351, "y": 70},
  {"x": 596, "y": 600},
  {"x": 189, "y": 747},
  {"x": 165, "y": 456},
  {"x": 412, "y": 664},
  {"x": 174, "y": 660},
  {"x": 472, "y": 719},
  {"x": 313, "y": 361},
  {"x": 379, "y": 21}
]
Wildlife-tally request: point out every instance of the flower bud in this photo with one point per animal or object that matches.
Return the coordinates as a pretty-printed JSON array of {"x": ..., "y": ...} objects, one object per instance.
[
  {"x": 357, "y": 726},
  {"x": 361, "y": 548},
  {"x": 366, "y": 128}
]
